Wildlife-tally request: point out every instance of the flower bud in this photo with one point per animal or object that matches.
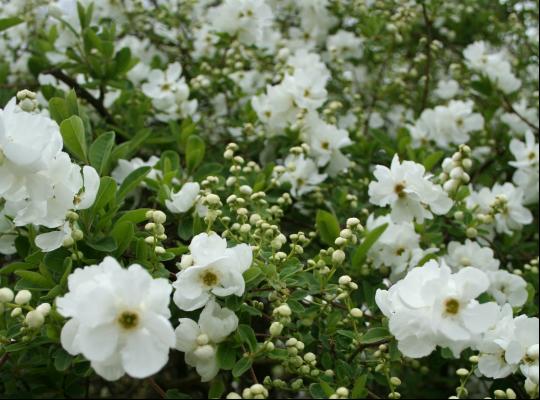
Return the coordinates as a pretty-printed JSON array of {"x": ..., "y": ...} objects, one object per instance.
[
  {"x": 34, "y": 319},
  {"x": 23, "y": 297},
  {"x": 6, "y": 295}
]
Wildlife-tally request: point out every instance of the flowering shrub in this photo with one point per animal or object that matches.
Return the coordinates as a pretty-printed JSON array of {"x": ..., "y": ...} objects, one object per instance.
[{"x": 269, "y": 199}]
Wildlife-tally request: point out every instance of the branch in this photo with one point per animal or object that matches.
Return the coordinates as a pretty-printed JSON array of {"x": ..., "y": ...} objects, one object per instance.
[
  {"x": 157, "y": 388},
  {"x": 428, "y": 55},
  {"x": 83, "y": 93},
  {"x": 511, "y": 109},
  {"x": 363, "y": 346}
]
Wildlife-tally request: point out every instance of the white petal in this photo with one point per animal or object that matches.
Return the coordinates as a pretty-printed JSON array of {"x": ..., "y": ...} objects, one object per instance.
[
  {"x": 143, "y": 355},
  {"x": 98, "y": 343}
]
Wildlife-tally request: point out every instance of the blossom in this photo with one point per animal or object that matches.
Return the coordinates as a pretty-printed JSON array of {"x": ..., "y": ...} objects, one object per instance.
[
  {"x": 345, "y": 45},
  {"x": 446, "y": 125},
  {"x": 249, "y": 19},
  {"x": 216, "y": 270},
  {"x": 302, "y": 174},
  {"x": 125, "y": 167},
  {"x": 431, "y": 306},
  {"x": 184, "y": 199},
  {"x": 118, "y": 319},
  {"x": 398, "y": 247},
  {"x": 526, "y": 176},
  {"x": 407, "y": 189},
  {"x": 510, "y": 344},
  {"x": 169, "y": 93},
  {"x": 506, "y": 202},
  {"x": 199, "y": 340},
  {"x": 326, "y": 142},
  {"x": 446, "y": 89},
  {"x": 506, "y": 287},
  {"x": 471, "y": 254},
  {"x": 493, "y": 65},
  {"x": 517, "y": 124}
]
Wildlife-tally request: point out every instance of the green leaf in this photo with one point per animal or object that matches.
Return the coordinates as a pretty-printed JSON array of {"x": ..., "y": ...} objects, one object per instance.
[
  {"x": 131, "y": 182},
  {"x": 252, "y": 274},
  {"x": 433, "y": 159},
  {"x": 359, "y": 390},
  {"x": 6, "y": 23},
  {"x": 106, "y": 245},
  {"x": 359, "y": 255},
  {"x": 134, "y": 216},
  {"x": 123, "y": 233},
  {"x": 100, "y": 152},
  {"x": 247, "y": 335},
  {"x": 35, "y": 278},
  {"x": 226, "y": 356},
  {"x": 176, "y": 394},
  {"x": 105, "y": 194},
  {"x": 15, "y": 266},
  {"x": 375, "y": 335},
  {"x": 327, "y": 225},
  {"x": 58, "y": 109},
  {"x": 122, "y": 61},
  {"x": 62, "y": 360},
  {"x": 217, "y": 388},
  {"x": 195, "y": 149},
  {"x": 241, "y": 366},
  {"x": 72, "y": 130}
]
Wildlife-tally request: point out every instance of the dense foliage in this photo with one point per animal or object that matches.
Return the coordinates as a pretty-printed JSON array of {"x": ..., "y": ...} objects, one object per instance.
[{"x": 269, "y": 198}]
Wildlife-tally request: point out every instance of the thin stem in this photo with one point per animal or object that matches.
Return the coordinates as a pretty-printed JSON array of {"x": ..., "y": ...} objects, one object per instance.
[{"x": 157, "y": 388}]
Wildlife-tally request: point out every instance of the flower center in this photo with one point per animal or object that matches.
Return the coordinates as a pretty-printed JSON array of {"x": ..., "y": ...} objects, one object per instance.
[
  {"x": 400, "y": 190},
  {"x": 451, "y": 306},
  {"x": 128, "y": 320},
  {"x": 325, "y": 145},
  {"x": 165, "y": 87},
  {"x": 209, "y": 278}
]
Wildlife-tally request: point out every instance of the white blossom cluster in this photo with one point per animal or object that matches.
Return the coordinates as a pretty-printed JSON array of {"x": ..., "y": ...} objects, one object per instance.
[{"x": 40, "y": 184}]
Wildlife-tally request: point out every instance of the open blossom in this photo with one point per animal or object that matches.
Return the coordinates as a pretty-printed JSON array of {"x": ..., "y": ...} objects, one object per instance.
[
  {"x": 517, "y": 124},
  {"x": 184, "y": 199},
  {"x": 302, "y": 173},
  {"x": 493, "y": 65},
  {"x": 447, "y": 89},
  {"x": 169, "y": 93},
  {"x": 432, "y": 307},
  {"x": 504, "y": 287},
  {"x": 398, "y": 247},
  {"x": 447, "y": 125},
  {"x": 216, "y": 270},
  {"x": 251, "y": 20},
  {"x": 407, "y": 189},
  {"x": 506, "y": 202},
  {"x": 119, "y": 319},
  {"x": 326, "y": 141},
  {"x": 527, "y": 158},
  {"x": 344, "y": 45},
  {"x": 126, "y": 167},
  {"x": 510, "y": 344},
  {"x": 199, "y": 339}
]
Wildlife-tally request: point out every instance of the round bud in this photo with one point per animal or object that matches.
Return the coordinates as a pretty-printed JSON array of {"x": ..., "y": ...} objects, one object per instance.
[
  {"x": 462, "y": 372},
  {"x": 6, "y": 295},
  {"x": 44, "y": 309},
  {"x": 23, "y": 297},
  {"x": 159, "y": 217},
  {"x": 356, "y": 313},
  {"x": 34, "y": 319}
]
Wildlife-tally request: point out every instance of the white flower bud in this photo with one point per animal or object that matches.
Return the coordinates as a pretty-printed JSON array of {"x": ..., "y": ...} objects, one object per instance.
[
  {"x": 159, "y": 217},
  {"x": 34, "y": 319},
  {"x": 344, "y": 280},
  {"x": 338, "y": 256},
  {"x": 342, "y": 391},
  {"x": 276, "y": 328},
  {"x": 204, "y": 352},
  {"x": 44, "y": 309},
  {"x": 284, "y": 310},
  {"x": 6, "y": 295},
  {"x": 462, "y": 372},
  {"x": 159, "y": 250},
  {"x": 16, "y": 312},
  {"x": 395, "y": 381},
  {"x": 212, "y": 199},
  {"x": 356, "y": 313},
  {"x": 23, "y": 297},
  {"x": 202, "y": 339}
]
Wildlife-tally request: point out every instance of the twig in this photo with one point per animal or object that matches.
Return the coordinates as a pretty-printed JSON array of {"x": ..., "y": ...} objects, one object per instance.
[
  {"x": 425, "y": 94},
  {"x": 82, "y": 92},
  {"x": 157, "y": 388},
  {"x": 511, "y": 108},
  {"x": 4, "y": 359},
  {"x": 363, "y": 346}
]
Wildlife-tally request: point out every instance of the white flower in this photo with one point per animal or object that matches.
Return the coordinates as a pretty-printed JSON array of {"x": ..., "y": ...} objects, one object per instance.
[
  {"x": 118, "y": 319},
  {"x": 344, "y": 44},
  {"x": 398, "y": 247},
  {"x": 509, "y": 344},
  {"x": 216, "y": 270},
  {"x": 507, "y": 288},
  {"x": 446, "y": 89},
  {"x": 471, "y": 254},
  {"x": 198, "y": 340},
  {"x": 431, "y": 306},
  {"x": 493, "y": 65},
  {"x": 325, "y": 142},
  {"x": 507, "y": 201},
  {"x": 169, "y": 93},
  {"x": 302, "y": 173},
  {"x": 447, "y": 125},
  {"x": 125, "y": 167},
  {"x": 407, "y": 189},
  {"x": 516, "y": 123},
  {"x": 184, "y": 199},
  {"x": 251, "y": 20},
  {"x": 527, "y": 160}
]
